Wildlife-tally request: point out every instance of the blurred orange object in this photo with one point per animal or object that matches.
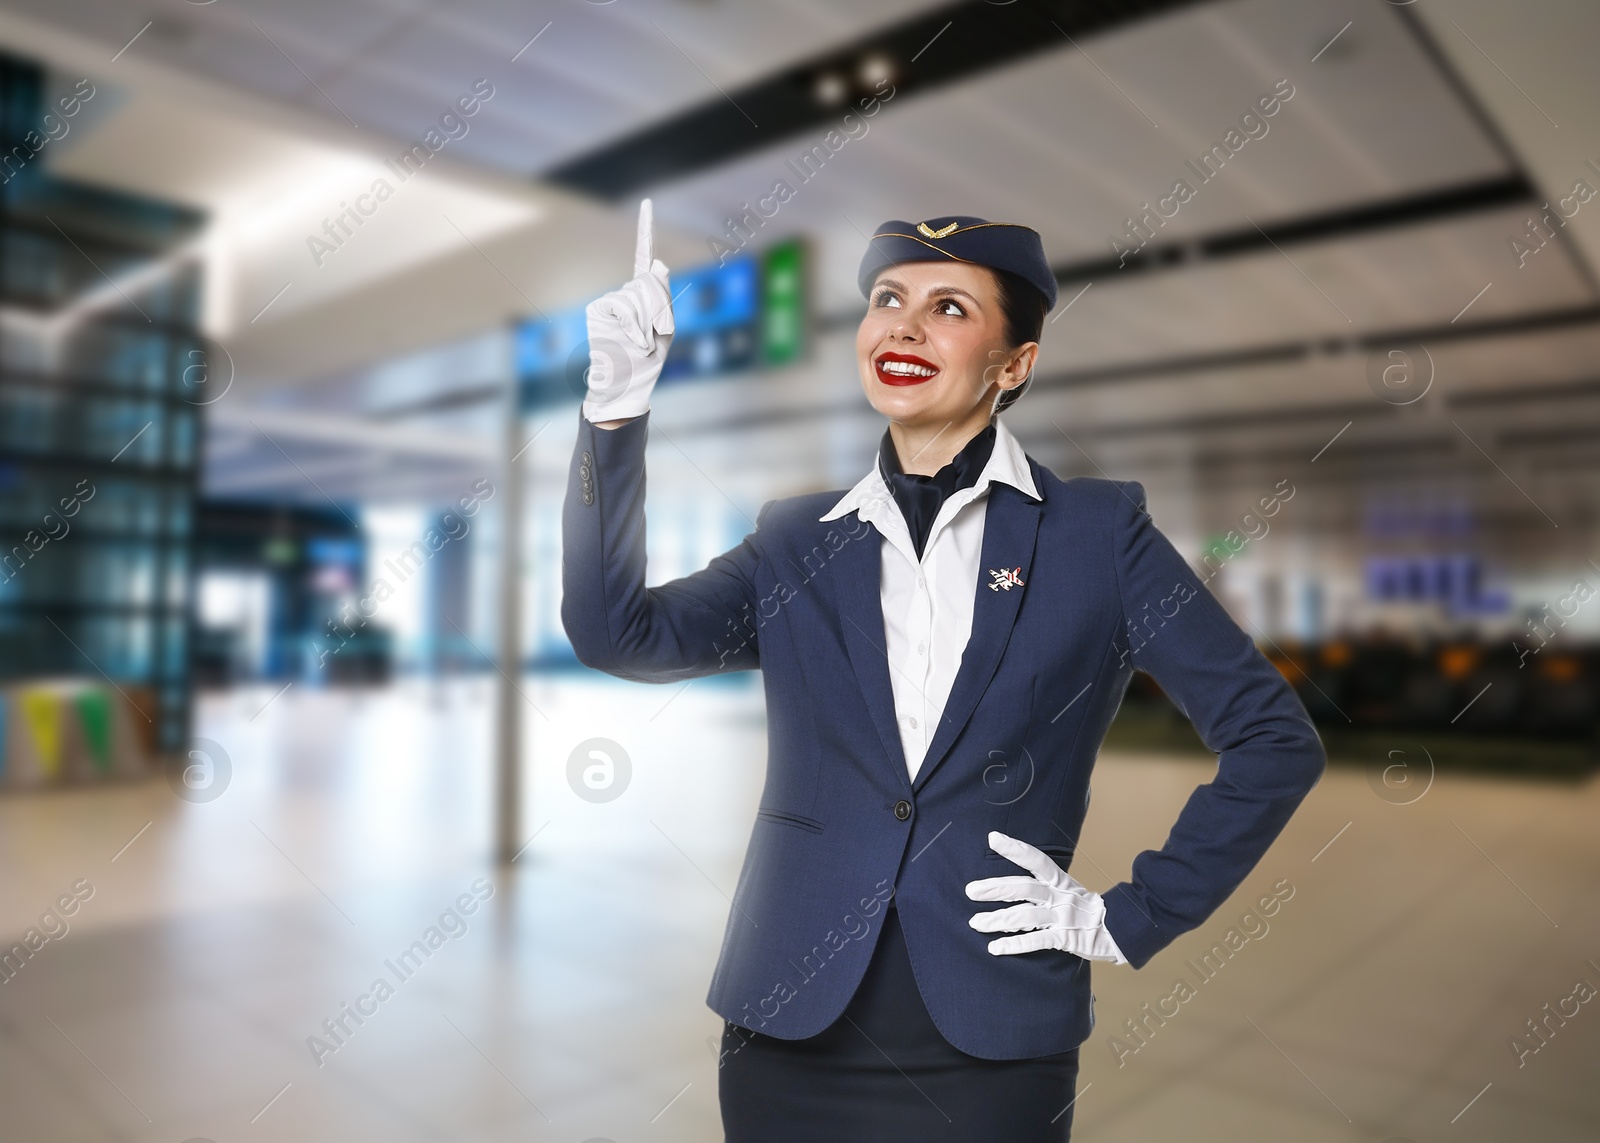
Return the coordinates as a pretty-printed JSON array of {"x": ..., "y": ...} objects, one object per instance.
[
  {"x": 1456, "y": 663},
  {"x": 1561, "y": 668}
]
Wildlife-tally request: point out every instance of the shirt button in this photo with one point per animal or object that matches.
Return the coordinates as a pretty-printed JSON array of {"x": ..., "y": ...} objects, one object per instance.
[
  {"x": 922, "y": 648},
  {"x": 912, "y": 722},
  {"x": 902, "y": 809}
]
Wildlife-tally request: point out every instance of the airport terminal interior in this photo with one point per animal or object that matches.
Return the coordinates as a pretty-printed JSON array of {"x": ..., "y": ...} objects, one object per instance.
[{"x": 292, "y": 347}]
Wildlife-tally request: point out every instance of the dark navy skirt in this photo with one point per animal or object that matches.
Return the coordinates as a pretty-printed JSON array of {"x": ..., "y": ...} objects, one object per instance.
[{"x": 884, "y": 1071}]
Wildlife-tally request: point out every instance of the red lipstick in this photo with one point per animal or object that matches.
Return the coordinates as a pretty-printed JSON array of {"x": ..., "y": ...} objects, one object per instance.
[{"x": 908, "y": 369}]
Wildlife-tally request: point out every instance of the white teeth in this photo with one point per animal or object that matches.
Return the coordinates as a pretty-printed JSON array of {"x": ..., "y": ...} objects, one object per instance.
[{"x": 906, "y": 369}]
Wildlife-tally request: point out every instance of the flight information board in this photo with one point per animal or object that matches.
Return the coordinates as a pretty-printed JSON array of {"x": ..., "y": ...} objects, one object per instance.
[{"x": 747, "y": 313}]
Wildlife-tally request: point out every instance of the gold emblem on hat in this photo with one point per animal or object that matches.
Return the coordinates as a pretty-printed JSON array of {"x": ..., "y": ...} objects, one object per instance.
[{"x": 940, "y": 233}]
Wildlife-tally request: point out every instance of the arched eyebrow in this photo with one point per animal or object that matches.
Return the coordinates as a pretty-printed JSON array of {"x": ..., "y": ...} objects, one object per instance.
[{"x": 936, "y": 292}]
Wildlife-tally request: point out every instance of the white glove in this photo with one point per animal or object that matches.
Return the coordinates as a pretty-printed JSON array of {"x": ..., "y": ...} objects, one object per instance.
[
  {"x": 630, "y": 331},
  {"x": 1062, "y": 913}
]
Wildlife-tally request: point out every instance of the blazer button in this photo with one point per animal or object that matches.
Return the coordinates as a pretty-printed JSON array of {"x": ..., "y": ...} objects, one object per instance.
[
  {"x": 902, "y": 809},
  {"x": 588, "y": 495}
]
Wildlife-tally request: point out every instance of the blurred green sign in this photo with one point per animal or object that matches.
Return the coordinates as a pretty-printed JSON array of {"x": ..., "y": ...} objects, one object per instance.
[{"x": 783, "y": 311}]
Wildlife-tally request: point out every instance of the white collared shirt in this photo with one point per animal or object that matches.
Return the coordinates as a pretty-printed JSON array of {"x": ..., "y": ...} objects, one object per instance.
[{"x": 927, "y": 603}]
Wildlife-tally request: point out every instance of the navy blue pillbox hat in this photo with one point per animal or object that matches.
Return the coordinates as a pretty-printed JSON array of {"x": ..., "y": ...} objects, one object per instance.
[{"x": 959, "y": 238}]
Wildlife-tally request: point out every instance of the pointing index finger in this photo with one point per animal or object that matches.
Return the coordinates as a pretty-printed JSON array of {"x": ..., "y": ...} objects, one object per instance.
[{"x": 644, "y": 251}]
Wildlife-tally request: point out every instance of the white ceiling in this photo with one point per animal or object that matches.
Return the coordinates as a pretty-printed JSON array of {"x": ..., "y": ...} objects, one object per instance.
[
  {"x": 1054, "y": 142},
  {"x": 596, "y": 71}
]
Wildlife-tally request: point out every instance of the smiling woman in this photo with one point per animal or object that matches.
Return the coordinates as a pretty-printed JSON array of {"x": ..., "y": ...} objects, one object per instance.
[
  {"x": 977, "y": 329},
  {"x": 895, "y": 676}
]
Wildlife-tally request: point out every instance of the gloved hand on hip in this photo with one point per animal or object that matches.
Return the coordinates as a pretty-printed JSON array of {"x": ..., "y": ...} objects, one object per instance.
[
  {"x": 1061, "y": 913},
  {"x": 630, "y": 331}
]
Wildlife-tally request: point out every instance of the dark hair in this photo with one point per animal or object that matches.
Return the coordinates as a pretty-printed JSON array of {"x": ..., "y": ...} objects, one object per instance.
[{"x": 1024, "y": 308}]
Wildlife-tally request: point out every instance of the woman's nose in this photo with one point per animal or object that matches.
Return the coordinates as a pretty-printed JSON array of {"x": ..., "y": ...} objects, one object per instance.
[{"x": 906, "y": 329}]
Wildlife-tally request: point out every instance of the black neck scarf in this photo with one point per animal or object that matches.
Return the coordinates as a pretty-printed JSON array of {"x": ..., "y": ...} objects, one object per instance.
[{"x": 921, "y": 497}]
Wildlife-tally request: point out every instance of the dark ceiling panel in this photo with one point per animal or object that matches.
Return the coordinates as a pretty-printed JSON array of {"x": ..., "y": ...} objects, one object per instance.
[
  {"x": 1353, "y": 220},
  {"x": 919, "y": 54}
]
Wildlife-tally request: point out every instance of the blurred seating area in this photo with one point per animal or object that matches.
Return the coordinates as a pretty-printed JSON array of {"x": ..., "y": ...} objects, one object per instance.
[{"x": 1471, "y": 704}]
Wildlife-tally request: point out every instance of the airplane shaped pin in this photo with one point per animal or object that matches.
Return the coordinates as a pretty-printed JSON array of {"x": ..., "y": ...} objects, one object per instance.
[{"x": 1006, "y": 580}]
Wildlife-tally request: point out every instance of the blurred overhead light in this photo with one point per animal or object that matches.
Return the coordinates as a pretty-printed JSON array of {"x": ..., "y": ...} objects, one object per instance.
[
  {"x": 875, "y": 69},
  {"x": 830, "y": 89}
]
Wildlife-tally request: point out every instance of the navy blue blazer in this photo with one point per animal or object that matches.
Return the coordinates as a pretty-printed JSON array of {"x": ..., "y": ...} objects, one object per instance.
[{"x": 842, "y": 828}]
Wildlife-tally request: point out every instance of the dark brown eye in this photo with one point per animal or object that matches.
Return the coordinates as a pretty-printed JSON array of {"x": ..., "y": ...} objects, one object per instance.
[{"x": 884, "y": 297}]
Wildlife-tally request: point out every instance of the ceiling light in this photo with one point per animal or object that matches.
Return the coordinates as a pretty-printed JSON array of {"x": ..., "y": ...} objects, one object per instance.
[
  {"x": 876, "y": 69},
  {"x": 830, "y": 89}
]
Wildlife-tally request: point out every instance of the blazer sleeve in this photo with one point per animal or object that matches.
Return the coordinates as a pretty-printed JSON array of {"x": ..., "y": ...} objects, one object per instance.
[
  {"x": 699, "y": 624},
  {"x": 1268, "y": 753}
]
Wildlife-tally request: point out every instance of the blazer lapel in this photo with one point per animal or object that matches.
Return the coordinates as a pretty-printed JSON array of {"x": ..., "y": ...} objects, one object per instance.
[
  {"x": 857, "y": 580},
  {"x": 1009, "y": 532}
]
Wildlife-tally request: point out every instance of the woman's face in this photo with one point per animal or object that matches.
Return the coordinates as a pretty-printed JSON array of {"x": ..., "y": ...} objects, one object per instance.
[{"x": 932, "y": 346}]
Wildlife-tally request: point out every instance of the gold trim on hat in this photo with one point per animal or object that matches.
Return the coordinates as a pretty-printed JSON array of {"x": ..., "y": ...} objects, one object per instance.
[
  {"x": 945, "y": 231},
  {"x": 914, "y": 238},
  {"x": 952, "y": 228}
]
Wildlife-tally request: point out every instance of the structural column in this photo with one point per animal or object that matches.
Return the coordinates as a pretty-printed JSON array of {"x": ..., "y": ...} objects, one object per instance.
[{"x": 508, "y": 643}]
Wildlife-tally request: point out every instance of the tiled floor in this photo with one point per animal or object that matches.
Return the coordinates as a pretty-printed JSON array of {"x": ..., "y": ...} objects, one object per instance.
[{"x": 1378, "y": 1005}]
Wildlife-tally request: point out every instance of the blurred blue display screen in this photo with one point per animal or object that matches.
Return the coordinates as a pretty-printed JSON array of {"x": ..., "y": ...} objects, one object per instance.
[
  {"x": 542, "y": 347},
  {"x": 716, "y": 297},
  {"x": 717, "y": 312},
  {"x": 1456, "y": 581},
  {"x": 326, "y": 550}
]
